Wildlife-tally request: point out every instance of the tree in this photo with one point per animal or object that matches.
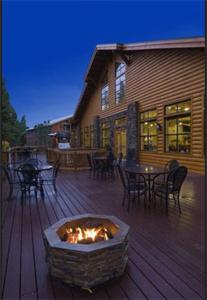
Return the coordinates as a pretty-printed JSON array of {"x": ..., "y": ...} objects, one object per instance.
[{"x": 12, "y": 129}]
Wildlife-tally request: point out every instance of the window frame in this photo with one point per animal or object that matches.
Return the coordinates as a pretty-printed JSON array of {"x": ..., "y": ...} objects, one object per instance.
[
  {"x": 91, "y": 136},
  {"x": 176, "y": 116},
  {"x": 86, "y": 132},
  {"x": 107, "y": 128},
  {"x": 107, "y": 104},
  {"x": 121, "y": 99},
  {"x": 142, "y": 121}
]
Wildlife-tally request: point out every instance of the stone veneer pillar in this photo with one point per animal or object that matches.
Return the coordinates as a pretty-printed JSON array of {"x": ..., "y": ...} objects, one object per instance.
[
  {"x": 132, "y": 131},
  {"x": 96, "y": 135}
]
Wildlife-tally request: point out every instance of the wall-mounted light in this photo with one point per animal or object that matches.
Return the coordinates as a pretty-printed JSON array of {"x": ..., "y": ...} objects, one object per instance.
[{"x": 159, "y": 127}]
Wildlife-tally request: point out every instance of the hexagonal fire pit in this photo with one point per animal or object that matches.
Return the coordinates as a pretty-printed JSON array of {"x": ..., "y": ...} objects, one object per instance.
[{"x": 85, "y": 260}]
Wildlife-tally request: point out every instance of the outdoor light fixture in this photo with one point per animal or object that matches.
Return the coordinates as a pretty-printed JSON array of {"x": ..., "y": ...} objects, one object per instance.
[{"x": 159, "y": 127}]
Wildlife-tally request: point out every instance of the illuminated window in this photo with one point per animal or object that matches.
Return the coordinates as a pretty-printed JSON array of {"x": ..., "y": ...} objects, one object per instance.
[
  {"x": 120, "y": 69},
  {"x": 86, "y": 137},
  {"x": 178, "y": 128},
  {"x": 148, "y": 130},
  {"x": 120, "y": 122},
  {"x": 105, "y": 97},
  {"x": 105, "y": 131},
  {"x": 181, "y": 107},
  {"x": 91, "y": 135}
]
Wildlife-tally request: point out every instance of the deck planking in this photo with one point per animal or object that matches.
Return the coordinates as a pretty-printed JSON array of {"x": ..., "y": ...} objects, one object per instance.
[{"x": 166, "y": 254}]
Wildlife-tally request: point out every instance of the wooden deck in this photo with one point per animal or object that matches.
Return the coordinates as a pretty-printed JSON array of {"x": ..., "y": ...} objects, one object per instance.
[{"x": 166, "y": 254}]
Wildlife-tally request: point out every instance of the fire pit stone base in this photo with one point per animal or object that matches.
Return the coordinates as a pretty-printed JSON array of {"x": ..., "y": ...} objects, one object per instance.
[{"x": 87, "y": 265}]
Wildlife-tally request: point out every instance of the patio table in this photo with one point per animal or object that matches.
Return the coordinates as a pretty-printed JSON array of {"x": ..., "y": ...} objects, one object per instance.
[{"x": 150, "y": 172}]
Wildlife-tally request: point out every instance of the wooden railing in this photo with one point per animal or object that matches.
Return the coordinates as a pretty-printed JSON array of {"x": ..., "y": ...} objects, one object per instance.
[{"x": 72, "y": 159}]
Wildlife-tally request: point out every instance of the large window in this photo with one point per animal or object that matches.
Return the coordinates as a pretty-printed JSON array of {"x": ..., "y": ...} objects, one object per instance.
[
  {"x": 178, "y": 127},
  {"x": 120, "y": 81},
  {"x": 105, "y": 97},
  {"x": 86, "y": 137},
  {"x": 91, "y": 136},
  {"x": 148, "y": 130},
  {"x": 105, "y": 131}
]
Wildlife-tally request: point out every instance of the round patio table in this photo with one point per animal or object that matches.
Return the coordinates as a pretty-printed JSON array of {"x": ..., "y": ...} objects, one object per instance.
[
  {"x": 41, "y": 167},
  {"x": 149, "y": 172}
]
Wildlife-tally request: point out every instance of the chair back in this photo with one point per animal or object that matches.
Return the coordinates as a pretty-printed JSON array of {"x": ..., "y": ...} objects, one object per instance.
[
  {"x": 121, "y": 174},
  {"x": 176, "y": 178},
  {"x": 89, "y": 161},
  {"x": 120, "y": 158},
  {"x": 33, "y": 161},
  {"x": 27, "y": 174},
  {"x": 56, "y": 168},
  {"x": 133, "y": 178},
  {"x": 172, "y": 164}
]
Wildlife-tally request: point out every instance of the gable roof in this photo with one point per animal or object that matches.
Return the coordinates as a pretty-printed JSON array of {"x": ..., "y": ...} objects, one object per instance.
[
  {"x": 58, "y": 120},
  {"x": 103, "y": 52},
  {"x": 52, "y": 122}
]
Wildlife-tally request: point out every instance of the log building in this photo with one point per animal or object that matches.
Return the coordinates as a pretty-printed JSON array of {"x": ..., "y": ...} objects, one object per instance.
[{"x": 146, "y": 100}]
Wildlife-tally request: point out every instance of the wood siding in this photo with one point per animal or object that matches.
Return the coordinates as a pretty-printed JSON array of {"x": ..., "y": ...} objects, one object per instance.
[{"x": 155, "y": 78}]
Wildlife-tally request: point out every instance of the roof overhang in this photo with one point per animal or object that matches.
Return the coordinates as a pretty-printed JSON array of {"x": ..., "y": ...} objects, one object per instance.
[{"x": 103, "y": 53}]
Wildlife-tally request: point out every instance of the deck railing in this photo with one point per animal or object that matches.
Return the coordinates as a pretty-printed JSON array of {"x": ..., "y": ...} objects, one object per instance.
[{"x": 74, "y": 158}]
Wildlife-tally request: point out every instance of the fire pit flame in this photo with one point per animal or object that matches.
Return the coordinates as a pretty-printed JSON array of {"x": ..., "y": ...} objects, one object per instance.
[{"x": 87, "y": 235}]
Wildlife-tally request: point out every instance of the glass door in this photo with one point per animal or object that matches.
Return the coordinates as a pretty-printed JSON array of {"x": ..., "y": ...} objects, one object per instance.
[{"x": 120, "y": 141}]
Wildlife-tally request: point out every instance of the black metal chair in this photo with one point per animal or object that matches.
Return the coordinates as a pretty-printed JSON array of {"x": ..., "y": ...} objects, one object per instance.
[
  {"x": 28, "y": 178},
  {"x": 169, "y": 166},
  {"x": 92, "y": 168},
  {"x": 134, "y": 186},
  {"x": 33, "y": 161},
  {"x": 172, "y": 186},
  {"x": 49, "y": 177},
  {"x": 11, "y": 177}
]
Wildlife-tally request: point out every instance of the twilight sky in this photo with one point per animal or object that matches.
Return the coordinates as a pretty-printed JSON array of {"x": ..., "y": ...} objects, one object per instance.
[{"x": 47, "y": 45}]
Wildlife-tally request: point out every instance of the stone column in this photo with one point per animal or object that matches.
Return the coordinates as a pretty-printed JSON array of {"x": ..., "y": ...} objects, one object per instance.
[
  {"x": 96, "y": 135},
  {"x": 132, "y": 131}
]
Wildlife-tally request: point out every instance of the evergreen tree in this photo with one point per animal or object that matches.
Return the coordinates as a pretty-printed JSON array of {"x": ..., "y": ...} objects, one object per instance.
[{"x": 12, "y": 129}]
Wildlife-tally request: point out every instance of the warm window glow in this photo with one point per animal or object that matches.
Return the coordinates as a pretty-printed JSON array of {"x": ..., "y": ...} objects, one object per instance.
[
  {"x": 92, "y": 136},
  {"x": 148, "y": 130},
  {"x": 178, "y": 108},
  {"x": 105, "y": 131},
  {"x": 178, "y": 128},
  {"x": 86, "y": 137}
]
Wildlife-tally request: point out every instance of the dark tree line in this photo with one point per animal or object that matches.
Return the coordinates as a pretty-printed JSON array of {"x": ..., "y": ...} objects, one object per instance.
[{"x": 12, "y": 128}]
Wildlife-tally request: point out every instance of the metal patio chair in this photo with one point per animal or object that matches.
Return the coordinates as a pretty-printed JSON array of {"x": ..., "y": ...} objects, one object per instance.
[{"x": 172, "y": 186}]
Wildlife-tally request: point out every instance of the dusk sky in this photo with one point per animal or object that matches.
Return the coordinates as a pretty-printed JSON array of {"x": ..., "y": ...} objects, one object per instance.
[{"x": 47, "y": 45}]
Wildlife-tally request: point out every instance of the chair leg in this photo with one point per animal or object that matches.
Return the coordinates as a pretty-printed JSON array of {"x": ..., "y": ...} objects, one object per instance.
[
  {"x": 10, "y": 192},
  {"x": 178, "y": 197},
  {"x": 166, "y": 202},
  {"x": 124, "y": 196},
  {"x": 54, "y": 185},
  {"x": 42, "y": 192},
  {"x": 35, "y": 193},
  {"x": 174, "y": 199},
  {"x": 129, "y": 201}
]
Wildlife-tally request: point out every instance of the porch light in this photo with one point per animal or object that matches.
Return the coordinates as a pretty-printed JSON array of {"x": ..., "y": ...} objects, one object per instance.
[{"x": 159, "y": 127}]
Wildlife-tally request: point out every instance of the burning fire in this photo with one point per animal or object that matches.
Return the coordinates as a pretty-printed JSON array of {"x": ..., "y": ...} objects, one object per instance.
[{"x": 87, "y": 235}]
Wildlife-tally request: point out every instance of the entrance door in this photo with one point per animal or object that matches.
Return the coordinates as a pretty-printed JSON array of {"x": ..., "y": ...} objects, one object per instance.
[{"x": 120, "y": 141}]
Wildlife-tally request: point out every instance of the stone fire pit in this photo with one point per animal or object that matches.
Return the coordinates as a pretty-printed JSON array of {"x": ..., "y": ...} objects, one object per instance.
[{"x": 87, "y": 265}]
